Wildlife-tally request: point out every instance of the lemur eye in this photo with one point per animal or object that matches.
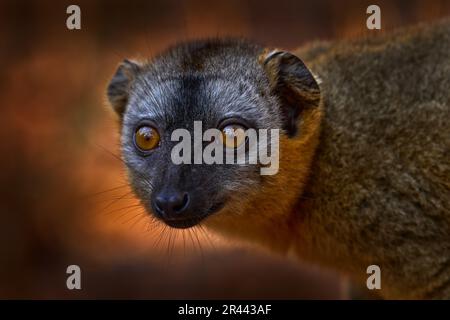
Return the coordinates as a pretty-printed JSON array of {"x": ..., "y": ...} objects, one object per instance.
[
  {"x": 233, "y": 135},
  {"x": 146, "y": 138}
]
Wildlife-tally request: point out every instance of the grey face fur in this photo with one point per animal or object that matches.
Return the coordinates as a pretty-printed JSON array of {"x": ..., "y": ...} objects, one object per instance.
[{"x": 208, "y": 81}]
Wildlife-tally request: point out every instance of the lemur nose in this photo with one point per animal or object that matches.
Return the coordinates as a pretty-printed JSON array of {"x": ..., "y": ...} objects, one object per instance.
[{"x": 171, "y": 204}]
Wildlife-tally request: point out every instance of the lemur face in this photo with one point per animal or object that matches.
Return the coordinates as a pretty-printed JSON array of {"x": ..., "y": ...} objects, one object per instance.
[
  {"x": 195, "y": 87},
  {"x": 184, "y": 194}
]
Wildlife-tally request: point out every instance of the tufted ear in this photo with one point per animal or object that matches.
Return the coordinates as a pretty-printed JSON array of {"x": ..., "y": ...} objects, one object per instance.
[
  {"x": 293, "y": 84},
  {"x": 118, "y": 88}
]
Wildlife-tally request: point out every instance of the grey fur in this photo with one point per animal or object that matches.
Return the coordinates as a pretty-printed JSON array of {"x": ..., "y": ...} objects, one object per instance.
[{"x": 199, "y": 81}]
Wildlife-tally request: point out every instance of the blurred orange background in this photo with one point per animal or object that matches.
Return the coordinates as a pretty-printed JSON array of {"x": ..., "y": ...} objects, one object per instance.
[{"x": 64, "y": 195}]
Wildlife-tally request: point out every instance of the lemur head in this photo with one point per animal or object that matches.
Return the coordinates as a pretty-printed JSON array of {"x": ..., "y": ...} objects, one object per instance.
[{"x": 224, "y": 84}]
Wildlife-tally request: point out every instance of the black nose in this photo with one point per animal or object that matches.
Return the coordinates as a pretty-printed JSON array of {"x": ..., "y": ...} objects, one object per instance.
[{"x": 171, "y": 204}]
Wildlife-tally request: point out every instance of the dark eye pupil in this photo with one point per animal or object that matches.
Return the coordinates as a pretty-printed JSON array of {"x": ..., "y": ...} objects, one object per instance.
[{"x": 146, "y": 138}]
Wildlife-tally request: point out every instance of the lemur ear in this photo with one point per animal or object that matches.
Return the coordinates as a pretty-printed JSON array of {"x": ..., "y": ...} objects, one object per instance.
[
  {"x": 118, "y": 88},
  {"x": 293, "y": 84}
]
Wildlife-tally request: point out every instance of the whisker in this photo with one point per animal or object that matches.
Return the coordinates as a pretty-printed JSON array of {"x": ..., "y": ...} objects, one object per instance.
[
  {"x": 184, "y": 242},
  {"x": 136, "y": 205},
  {"x": 192, "y": 239},
  {"x": 106, "y": 191},
  {"x": 141, "y": 217},
  {"x": 130, "y": 196},
  {"x": 116, "y": 200},
  {"x": 127, "y": 212},
  {"x": 133, "y": 217},
  {"x": 205, "y": 233},
  {"x": 199, "y": 245},
  {"x": 160, "y": 236}
]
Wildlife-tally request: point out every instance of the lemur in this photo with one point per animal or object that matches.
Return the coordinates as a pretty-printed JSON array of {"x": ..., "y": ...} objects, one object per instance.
[{"x": 364, "y": 149}]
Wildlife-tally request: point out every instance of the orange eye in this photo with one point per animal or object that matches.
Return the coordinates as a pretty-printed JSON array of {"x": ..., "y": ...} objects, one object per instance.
[
  {"x": 233, "y": 135},
  {"x": 146, "y": 138}
]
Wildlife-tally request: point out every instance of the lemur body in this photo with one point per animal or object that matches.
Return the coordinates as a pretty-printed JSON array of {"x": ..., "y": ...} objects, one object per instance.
[
  {"x": 379, "y": 191},
  {"x": 364, "y": 172}
]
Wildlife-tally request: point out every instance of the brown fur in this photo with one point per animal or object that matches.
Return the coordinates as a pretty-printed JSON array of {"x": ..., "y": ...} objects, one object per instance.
[
  {"x": 375, "y": 187},
  {"x": 263, "y": 219}
]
